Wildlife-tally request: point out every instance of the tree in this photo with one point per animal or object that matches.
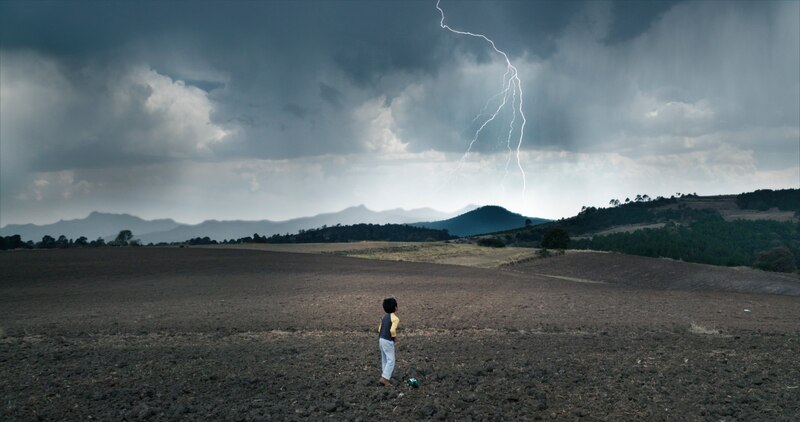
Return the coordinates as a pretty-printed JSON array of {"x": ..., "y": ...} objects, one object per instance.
[
  {"x": 12, "y": 242},
  {"x": 528, "y": 222},
  {"x": 555, "y": 239},
  {"x": 491, "y": 242},
  {"x": 778, "y": 259},
  {"x": 81, "y": 242},
  {"x": 123, "y": 238},
  {"x": 47, "y": 242}
]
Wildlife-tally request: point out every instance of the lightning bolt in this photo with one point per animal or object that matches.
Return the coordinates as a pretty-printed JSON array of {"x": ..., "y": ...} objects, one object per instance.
[{"x": 511, "y": 94}]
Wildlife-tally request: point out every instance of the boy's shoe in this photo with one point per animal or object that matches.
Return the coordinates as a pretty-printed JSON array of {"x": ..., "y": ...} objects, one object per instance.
[{"x": 385, "y": 382}]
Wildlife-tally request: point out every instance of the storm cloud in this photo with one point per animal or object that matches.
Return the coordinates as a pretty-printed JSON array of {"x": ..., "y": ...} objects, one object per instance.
[{"x": 279, "y": 109}]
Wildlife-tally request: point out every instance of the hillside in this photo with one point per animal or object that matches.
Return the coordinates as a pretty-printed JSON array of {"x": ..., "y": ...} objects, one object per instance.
[
  {"x": 647, "y": 213},
  {"x": 719, "y": 230},
  {"x": 487, "y": 219}
]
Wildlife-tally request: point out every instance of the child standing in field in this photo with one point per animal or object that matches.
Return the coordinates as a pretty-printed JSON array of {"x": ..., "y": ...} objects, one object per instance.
[{"x": 387, "y": 335}]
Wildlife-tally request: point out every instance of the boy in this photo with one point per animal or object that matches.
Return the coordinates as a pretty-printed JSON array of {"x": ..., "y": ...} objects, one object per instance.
[{"x": 387, "y": 334}]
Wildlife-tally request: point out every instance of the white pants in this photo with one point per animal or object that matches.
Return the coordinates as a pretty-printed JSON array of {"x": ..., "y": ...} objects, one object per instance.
[{"x": 387, "y": 357}]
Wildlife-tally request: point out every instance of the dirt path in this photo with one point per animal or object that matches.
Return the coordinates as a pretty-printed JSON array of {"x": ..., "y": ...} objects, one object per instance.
[{"x": 466, "y": 254}]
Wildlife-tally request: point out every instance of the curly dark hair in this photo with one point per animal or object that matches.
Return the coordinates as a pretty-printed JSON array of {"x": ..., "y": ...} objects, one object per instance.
[{"x": 389, "y": 305}]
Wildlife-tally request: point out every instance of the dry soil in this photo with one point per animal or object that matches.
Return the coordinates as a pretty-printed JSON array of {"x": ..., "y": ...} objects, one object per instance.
[{"x": 198, "y": 334}]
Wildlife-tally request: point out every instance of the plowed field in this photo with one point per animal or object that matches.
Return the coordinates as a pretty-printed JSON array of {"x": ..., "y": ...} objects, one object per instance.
[{"x": 198, "y": 334}]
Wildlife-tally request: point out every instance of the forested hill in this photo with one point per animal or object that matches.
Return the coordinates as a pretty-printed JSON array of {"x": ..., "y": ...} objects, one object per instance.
[
  {"x": 775, "y": 205},
  {"x": 486, "y": 219},
  {"x": 759, "y": 229}
]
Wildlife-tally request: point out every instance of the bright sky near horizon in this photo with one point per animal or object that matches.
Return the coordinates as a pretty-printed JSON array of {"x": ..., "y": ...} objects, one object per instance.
[{"x": 277, "y": 109}]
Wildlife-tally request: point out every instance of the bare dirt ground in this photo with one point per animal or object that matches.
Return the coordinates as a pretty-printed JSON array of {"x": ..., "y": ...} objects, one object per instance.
[
  {"x": 194, "y": 334},
  {"x": 660, "y": 273},
  {"x": 571, "y": 265},
  {"x": 454, "y": 253}
]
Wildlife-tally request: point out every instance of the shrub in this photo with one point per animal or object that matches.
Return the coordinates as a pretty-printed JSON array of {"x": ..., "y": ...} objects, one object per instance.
[
  {"x": 547, "y": 253},
  {"x": 555, "y": 239},
  {"x": 779, "y": 259},
  {"x": 543, "y": 253},
  {"x": 491, "y": 242}
]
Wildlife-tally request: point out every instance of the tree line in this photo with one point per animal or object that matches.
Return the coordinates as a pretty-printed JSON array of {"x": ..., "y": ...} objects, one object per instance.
[
  {"x": 769, "y": 245},
  {"x": 361, "y": 232},
  {"x": 124, "y": 238},
  {"x": 335, "y": 234},
  {"x": 764, "y": 199},
  {"x": 324, "y": 234}
]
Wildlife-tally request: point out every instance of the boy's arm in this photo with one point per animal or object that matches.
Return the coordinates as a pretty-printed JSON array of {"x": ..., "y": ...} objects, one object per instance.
[{"x": 395, "y": 323}]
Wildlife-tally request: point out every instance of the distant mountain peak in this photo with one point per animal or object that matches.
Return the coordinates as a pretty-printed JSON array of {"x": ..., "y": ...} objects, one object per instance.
[
  {"x": 483, "y": 219},
  {"x": 491, "y": 207}
]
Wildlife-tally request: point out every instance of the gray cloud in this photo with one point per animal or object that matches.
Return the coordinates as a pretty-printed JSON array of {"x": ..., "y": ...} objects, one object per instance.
[
  {"x": 330, "y": 94},
  {"x": 286, "y": 55},
  {"x": 297, "y": 111},
  {"x": 699, "y": 69},
  {"x": 114, "y": 85}
]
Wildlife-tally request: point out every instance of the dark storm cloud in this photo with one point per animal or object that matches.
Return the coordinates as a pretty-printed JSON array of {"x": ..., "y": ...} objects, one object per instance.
[
  {"x": 517, "y": 27},
  {"x": 688, "y": 69},
  {"x": 534, "y": 27},
  {"x": 287, "y": 56},
  {"x": 365, "y": 37},
  {"x": 330, "y": 94},
  {"x": 633, "y": 17},
  {"x": 103, "y": 85},
  {"x": 297, "y": 111}
]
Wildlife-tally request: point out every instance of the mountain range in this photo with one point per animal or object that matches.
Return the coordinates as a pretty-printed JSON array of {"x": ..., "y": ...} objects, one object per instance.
[
  {"x": 467, "y": 221},
  {"x": 96, "y": 224}
]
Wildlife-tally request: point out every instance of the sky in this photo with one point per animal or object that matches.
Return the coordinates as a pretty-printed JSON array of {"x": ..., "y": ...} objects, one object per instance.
[{"x": 274, "y": 109}]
